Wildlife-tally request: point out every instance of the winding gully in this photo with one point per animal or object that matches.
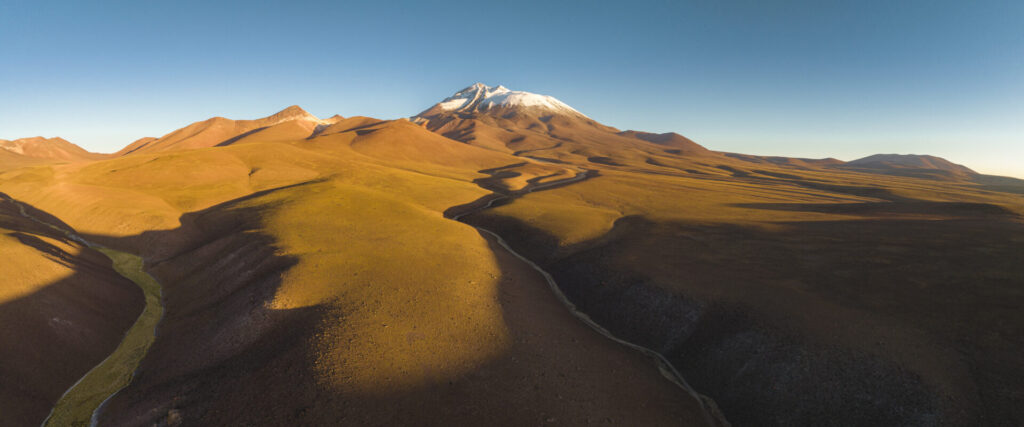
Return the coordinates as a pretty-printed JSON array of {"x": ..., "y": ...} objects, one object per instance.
[
  {"x": 82, "y": 402},
  {"x": 664, "y": 366}
]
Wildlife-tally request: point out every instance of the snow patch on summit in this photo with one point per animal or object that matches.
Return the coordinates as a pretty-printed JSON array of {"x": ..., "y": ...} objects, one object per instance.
[{"x": 482, "y": 97}]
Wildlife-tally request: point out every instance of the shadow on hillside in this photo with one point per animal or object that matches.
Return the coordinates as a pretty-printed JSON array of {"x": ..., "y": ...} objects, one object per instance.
[
  {"x": 223, "y": 356},
  {"x": 501, "y": 195},
  {"x": 239, "y": 137},
  {"x": 52, "y": 336},
  {"x": 218, "y": 277},
  {"x": 870, "y": 321},
  {"x": 218, "y": 333}
]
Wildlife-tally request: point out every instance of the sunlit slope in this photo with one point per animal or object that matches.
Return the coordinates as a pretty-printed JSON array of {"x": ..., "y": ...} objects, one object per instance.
[
  {"x": 369, "y": 306},
  {"x": 50, "y": 149},
  {"x": 870, "y": 281},
  {"x": 401, "y": 144},
  {"x": 38, "y": 150},
  {"x": 12, "y": 160},
  {"x": 922, "y": 166},
  {"x": 542, "y": 127},
  {"x": 396, "y": 269},
  {"x": 316, "y": 280},
  {"x": 222, "y": 131},
  {"x": 145, "y": 192},
  {"x": 291, "y": 130},
  {"x": 62, "y": 310},
  {"x": 588, "y": 209},
  {"x": 557, "y": 138}
]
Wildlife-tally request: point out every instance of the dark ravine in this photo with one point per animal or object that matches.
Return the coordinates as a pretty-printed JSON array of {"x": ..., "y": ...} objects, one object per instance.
[
  {"x": 760, "y": 370},
  {"x": 736, "y": 357},
  {"x": 498, "y": 197},
  {"x": 713, "y": 417}
]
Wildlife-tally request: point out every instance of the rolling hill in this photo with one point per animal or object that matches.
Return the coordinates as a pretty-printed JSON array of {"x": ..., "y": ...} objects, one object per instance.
[
  {"x": 911, "y": 165},
  {"x": 219, "y": 130},
  {"x": 819, "y": 280},
  {"x": 314, "y": 273},
  {"x": 325, "y": 267}
]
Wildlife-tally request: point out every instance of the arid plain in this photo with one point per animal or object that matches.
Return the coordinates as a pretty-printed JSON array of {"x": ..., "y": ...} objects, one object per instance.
[{"x": 330, "y": 271}]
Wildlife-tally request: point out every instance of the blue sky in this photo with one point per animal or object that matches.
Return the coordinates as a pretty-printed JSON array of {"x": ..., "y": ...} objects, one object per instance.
[{"x": 794, "y": 78}]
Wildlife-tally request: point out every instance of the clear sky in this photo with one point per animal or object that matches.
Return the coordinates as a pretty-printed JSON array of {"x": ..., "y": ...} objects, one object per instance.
[{"x": 814, "y": 78}]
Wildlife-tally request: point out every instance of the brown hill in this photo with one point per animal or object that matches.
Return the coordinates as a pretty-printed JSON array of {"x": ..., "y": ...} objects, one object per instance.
[
  {"x": 222, "y": 131},
  {"x": 543, "y": 128},
  {"x": 57, "y": 149},
  {"x": 12, "y": 160},
  {"x": 923, "y": 166},
  {"x": 670, "y": 139},
  {"x": 787, "y": 161}
]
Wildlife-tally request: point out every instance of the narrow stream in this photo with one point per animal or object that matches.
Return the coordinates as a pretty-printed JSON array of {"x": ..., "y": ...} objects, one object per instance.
[
  {"x": 664, "y": 366},
  {"x": 81, "y": 404}
]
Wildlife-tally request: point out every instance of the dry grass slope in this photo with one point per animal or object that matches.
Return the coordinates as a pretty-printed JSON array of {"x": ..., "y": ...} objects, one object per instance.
[
  {"x": 325, "y": 267},
  {"x": 62, "y": 310},
  {"x": 879, "y": 278},
  {"x": 311, "y": 276}
]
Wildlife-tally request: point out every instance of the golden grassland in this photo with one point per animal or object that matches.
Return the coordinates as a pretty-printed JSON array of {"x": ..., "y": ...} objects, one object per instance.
[
  {"x": 396, "y": 269},
  {"x": 409, "y": 304},
  {"x": 132, "y": 194},
  {"x": 588, "y": 210},
  {"x": 26, "y": 270},
  {"x": 418, "y": 298},
  {"x": 891, "y": 269},
  {"x": 369, "y": 223}
]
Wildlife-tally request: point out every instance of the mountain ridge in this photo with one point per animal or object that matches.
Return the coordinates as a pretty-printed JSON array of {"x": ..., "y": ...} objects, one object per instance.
[
  {"x": 55, "y": 148},
  {"x": 219, "y": 130},
  {"x": 911, "y": 160},
  {"x": 493, "y": 117},
  {"x": 480, "y": 98},
  {"x": 328, "y": 255},
  {"x": 520, "y": 122},
  {"x": 911, "y": 165}
]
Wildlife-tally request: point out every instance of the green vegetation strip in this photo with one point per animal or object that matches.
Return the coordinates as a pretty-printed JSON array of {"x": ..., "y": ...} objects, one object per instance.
[{"x": 79, "y": 403}]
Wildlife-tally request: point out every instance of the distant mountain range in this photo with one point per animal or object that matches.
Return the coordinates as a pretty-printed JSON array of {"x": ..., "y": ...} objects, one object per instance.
[
  {"x": 913, "y": 165},
  {"x": 496, "y": 118},
  {"x": 484, "y": 261},
  {"x": 48, "y": 148}
]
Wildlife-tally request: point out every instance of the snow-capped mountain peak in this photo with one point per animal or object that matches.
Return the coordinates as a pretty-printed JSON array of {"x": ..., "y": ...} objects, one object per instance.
[{"x": 480, "y": 97}]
